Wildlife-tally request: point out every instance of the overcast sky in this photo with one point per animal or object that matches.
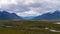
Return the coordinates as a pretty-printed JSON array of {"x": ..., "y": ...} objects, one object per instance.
[{"x": 29, "y": 7}]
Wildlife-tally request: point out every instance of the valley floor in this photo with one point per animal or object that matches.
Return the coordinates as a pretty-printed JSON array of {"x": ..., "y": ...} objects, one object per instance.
[{"x": 29, "y": 27}]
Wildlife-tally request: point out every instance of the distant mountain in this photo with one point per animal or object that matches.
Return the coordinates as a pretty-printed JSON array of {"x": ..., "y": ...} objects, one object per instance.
[
  {"x": 28, "y": 17},
  {"x": 49, "y": 16},
  {"x": 4, "y": 15}
]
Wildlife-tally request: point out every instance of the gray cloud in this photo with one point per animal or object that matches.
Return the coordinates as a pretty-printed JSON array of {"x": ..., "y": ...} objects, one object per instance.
[{"x": 30, "y": 7}]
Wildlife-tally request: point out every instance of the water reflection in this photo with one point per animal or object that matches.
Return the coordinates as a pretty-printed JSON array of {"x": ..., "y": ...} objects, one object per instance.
[
  {"x": 54, "y": 31},
  {"x": 57, "y": 23}
]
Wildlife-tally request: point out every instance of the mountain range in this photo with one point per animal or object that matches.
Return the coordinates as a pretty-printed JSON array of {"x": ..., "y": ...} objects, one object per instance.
[
  {"x": 4, "y": 15},
  {"x": 49, "y": 16}
]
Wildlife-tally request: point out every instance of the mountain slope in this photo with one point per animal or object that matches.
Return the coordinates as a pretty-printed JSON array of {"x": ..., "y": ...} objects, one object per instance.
[
  {"x": 49, "y": 16},
  {"x": 9, "y": 16}
]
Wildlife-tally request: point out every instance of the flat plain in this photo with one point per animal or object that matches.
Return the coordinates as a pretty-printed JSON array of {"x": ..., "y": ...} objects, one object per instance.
[{"x": 29, "y": 27}]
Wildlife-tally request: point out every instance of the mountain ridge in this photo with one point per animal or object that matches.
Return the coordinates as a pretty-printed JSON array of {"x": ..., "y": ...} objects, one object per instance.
[
  {"x": 49, "y": 16},
  {"x": 4, "y": 15}
]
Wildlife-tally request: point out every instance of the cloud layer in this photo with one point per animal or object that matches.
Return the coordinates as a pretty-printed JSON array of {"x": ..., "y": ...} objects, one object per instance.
[{"x": 30, "y": 7}]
